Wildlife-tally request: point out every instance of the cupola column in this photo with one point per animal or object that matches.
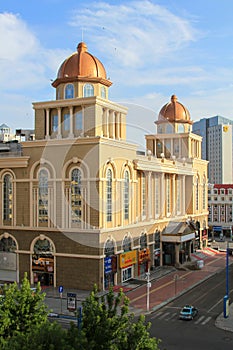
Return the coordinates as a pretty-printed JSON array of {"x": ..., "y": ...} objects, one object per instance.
[
  {"x": 111, "y": 124},
  {"x": 47, "y": 124},
  {"x": 59, "y": 136},
  {"x": 105, "y": 122},
  {"x": 71, "y": 134},
  {"x": 117, "y": 123}
]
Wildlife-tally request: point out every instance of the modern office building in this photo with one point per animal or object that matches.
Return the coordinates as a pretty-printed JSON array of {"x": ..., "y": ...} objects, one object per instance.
[
  {"x": 217, "y": 144},
  {"x": 80, "y": 205}
]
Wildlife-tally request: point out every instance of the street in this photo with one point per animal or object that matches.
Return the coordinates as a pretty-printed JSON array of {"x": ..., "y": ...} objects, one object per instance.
[{"x": 200, "y": 333}]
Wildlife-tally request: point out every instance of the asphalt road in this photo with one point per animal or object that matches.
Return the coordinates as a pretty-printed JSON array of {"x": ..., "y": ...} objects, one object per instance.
[{"x": 200, "y": 333}]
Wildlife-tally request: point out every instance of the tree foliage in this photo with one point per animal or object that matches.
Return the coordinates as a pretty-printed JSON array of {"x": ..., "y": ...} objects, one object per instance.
[
  {"x": 106, "y": 323},
  {"x": 21, "y": 309}
]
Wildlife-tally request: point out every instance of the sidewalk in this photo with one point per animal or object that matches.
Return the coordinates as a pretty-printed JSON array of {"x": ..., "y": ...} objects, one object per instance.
[{"x": 167, "y": 283}]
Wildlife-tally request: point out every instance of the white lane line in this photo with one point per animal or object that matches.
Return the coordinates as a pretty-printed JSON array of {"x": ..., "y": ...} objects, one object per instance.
[
  {"x": 207, "y": 320},
  {"x": 199, "y": 319},
  {"x": 156, "y": 315},
  {"x": 164, "y": 315}
]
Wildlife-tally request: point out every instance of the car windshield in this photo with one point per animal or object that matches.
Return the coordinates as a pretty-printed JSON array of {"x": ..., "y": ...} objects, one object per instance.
[{"x": 186, "y": 310}]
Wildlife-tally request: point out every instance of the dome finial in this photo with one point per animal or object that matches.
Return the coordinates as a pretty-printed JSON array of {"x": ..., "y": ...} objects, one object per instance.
[
  {"x": 174, "y": 98},
  {"x": 82, "y": 47}
]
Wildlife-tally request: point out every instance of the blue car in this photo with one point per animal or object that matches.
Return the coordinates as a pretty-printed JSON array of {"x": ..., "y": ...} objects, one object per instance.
[{"x": 188, "y": 312}]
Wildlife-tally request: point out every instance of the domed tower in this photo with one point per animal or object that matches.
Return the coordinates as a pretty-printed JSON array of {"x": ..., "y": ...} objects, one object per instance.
[
  {"x": 173, "y": 118},
  {"x": 81, "y": 75},
  {"x": 174, "y": 139},
  {"x": 82, "y": 108}
]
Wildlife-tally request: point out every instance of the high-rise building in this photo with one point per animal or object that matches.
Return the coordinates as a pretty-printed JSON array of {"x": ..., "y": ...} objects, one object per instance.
[{"x": 217, "y": 144}]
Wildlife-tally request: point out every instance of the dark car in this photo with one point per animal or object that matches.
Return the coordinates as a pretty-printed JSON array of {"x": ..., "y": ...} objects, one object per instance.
[{"x": 188, "y": 312}]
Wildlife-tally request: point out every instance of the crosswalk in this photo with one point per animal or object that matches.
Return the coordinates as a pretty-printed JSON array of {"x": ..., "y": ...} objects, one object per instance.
[{"x": 173, "y": 316}]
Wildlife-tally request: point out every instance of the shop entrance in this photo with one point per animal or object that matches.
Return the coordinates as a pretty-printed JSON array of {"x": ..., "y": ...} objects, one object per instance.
[{"x": 43, "y": 263}]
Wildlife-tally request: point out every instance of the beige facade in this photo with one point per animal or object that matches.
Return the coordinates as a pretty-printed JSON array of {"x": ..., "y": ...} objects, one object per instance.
[{"x": 80, "y": 205}]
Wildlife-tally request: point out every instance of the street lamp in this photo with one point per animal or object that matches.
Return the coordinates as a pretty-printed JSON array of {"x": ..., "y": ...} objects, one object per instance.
[
  {"x": 148, "y": 286},
  {"x": 226, "y": 297}
]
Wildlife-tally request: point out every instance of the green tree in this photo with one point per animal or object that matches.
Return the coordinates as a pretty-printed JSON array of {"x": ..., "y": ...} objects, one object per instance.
[
  {"x": 21, "y": 309},
  {"x": 107, "y": 324}
]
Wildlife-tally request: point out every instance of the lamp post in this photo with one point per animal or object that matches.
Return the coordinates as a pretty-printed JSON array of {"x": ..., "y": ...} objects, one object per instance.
[
  {"x": 148, "y": 285},
  {"x": 226, "y": 297}
]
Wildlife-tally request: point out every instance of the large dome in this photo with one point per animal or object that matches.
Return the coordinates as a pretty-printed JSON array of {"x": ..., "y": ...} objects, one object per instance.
[
  {"x": 174, "y": 112},
  {"x": 81, "y": 65}
]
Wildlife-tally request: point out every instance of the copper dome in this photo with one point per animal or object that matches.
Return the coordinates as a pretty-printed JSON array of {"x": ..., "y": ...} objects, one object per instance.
[
  {"x": 81, "y": 65},
  {"x": 174, "y": 112}
]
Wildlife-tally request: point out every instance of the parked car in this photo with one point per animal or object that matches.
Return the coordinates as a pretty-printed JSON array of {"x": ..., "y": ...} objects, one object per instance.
[{"x": 188, "y": 312}]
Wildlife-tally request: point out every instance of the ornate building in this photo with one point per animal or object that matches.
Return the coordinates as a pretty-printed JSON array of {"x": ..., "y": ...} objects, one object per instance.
[{"x": 80, "y": 205}]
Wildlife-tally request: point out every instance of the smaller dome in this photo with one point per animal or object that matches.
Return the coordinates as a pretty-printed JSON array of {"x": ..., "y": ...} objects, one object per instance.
[{"x": 174, "y": 112}]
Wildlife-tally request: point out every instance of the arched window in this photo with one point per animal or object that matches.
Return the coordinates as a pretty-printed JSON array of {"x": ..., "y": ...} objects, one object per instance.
[
  {"x": 69, "y": 91},
  {"x": 54, "y": 123},
  {"x": 43, "y": 194},
  {"x": 126, "y": 195},
  {"x": 143, "y": 241},
  {"x": 76, "y": 195},
  {"x": 109, "y": 248},
  {"x": 127, "y": 244},
  {"x": 143, "y": 195},
  {"x": 88, "y": 90},
  {"x": 7, "y": 197},
  {"x": 204, "y": 194},
  {"x": 7, "y": 245},
  {"x": 169, "y": 129},
  {"x": 197, "y": 194},
  {"x": 180, "y": 128},
  {"x": 109, "y": 195},
  {"x": 103, "y": 92}
]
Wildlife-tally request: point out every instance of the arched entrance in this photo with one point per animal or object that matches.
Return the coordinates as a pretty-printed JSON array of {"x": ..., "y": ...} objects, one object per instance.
[
  {"x": 8, "y": 259},
  {"x": 43, "y": 262}
]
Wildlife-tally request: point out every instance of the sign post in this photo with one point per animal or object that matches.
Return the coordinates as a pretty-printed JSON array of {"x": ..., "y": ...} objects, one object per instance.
[{"x": 60, "y": 289}]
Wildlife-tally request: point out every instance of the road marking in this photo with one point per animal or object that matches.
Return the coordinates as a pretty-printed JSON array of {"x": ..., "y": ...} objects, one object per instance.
[
  {"x": 164, "y": 315},
  {"x": 156, "y": 315},
  {"x": 207, "y": 320},
  {"x": 199, "y": 319}
]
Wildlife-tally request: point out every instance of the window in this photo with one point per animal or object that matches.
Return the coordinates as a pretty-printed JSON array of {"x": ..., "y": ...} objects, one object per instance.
[
  {"x": 103, "y": 92},
  {"x": 76, "y": 196},
  {"x": 69, "y": 91},
  {"x": 43, "y": 196},
  {"x": 7, "y": 197},
  {"x": 178, "y": 196},
  {"x": 143, "y": 241},
  {"x": 126, "y": 244},
  {"x": 156, "y": 195},
  {"x": 88, "y": 90},
  {"x": 197, "y": 194},
  {"x": 66, "y": 122},
  {"x": 109, "y": 248},
  {"x": 54, "y": 123},
  {"x": 109, "y": 195},
  {"x": 126, "y": 195},
  {"x": 168, "y": 194},
  {"x": 204, "y": 194},
  {"x": 7, "y": 245},
  {"x": 143, "y": 195},
  {"x": 79, "y": 121}
]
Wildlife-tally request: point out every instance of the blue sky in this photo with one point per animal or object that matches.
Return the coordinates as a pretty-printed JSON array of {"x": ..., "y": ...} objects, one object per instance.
[{"x": 150, "y": 49}]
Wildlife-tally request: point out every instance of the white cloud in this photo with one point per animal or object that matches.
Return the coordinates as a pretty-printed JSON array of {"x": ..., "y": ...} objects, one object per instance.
[{"x": 133, "y": 35}]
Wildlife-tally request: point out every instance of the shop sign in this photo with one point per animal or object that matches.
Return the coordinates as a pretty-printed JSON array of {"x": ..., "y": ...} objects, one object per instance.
[
  {"x": 128, "y": 259},
  {"x": 71, "y": 301},
  {"x": 107, "y": 264},
  {"x": 144, "y": 255}
]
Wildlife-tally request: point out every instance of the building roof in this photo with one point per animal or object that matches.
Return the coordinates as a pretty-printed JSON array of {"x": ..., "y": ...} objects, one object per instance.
[
  {"x": 174, "y": 111},
  {"x": 81, "y": 65}
]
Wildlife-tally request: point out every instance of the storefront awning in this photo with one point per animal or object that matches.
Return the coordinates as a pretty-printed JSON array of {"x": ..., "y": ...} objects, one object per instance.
[{"x": 178, "y": 232}]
